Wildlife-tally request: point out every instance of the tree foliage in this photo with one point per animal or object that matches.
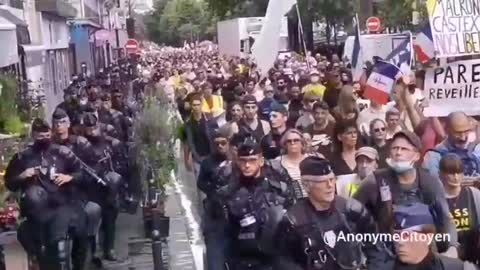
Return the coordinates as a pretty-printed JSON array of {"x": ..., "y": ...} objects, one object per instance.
[
  {"x": 398, "y": 13},
  {"x": 174, "y": 21}
]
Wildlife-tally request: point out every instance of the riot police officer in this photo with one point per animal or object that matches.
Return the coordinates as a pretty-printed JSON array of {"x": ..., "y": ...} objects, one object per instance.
[
  {"x": 254, "y": 204},
  {"x": 49, "y": 176},
  {"x": 82, "y": 148},
  {"x": 209, "y": 181},
  {"x": 71, "y": 104},
  {"x": 110, "y": 166},
  {"x": 310, "y": 234}
]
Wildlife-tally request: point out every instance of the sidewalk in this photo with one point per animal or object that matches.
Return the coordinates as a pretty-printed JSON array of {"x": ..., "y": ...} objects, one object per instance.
[{"x": 130, "y": 233}]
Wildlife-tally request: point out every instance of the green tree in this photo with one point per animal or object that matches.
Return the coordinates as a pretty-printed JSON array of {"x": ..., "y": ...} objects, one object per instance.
[
  {"x": 397, "y": 13},
  {"x": 190, "y": 16}
]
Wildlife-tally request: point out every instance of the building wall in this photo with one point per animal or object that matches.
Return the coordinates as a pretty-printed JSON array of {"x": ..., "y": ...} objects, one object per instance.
[{"x": 56, "y": 31}]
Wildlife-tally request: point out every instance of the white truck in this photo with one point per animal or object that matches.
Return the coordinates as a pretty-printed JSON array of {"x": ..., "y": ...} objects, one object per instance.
[{"x": 236, "y": 36}]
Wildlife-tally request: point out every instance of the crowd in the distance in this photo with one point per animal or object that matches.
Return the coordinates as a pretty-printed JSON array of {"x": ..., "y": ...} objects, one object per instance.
[{"x": 301, "y": 110}]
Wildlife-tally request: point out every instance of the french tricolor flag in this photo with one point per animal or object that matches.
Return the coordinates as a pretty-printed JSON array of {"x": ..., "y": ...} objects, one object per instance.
[
  {"x": 381, "y": 81},
  {"x": 423, "y": 45}
]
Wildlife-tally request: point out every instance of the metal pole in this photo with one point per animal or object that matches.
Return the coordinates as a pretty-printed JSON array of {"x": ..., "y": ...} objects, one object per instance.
[{"x": 302, "y": 35}]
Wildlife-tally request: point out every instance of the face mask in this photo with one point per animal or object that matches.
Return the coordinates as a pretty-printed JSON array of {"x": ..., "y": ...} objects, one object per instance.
[
  {"x": 315, "y": 79},
  {"x": 42, "y": 144},
  {"x": 93, "y": 138},
  {"x": 400, "y": 166},
  {"x": 83, "y": 101}
]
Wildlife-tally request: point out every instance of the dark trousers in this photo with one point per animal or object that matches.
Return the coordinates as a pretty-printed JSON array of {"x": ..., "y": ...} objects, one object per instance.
[
  {"x": 215, "y": 242},
  {"x": 53, "y": 227}
]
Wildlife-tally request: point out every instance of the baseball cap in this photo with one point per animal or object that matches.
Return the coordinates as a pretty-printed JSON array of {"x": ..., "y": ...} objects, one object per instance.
[
  {"x": 249, "y": 99},
  {"x": 368, "y": 152},
  {"x": 410, "y": 136},
  {"x": 277, "y": 107},
  {"x": 412, "y": 217}
]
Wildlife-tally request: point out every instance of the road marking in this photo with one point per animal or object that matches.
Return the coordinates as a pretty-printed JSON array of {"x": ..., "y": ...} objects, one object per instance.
[{"x": 196, "y": 243}]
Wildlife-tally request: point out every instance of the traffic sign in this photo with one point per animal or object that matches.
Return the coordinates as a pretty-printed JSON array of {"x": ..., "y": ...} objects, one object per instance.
[
  {"x": 374, "y": 24},
  {"x": 131, "y": 47}
]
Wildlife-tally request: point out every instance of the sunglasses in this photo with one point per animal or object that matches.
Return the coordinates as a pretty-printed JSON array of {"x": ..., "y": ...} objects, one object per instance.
[
  {"x": 241, "y": 94},
  {"x": 379, "y": 129},
  {"x": 293, "y": 141}
]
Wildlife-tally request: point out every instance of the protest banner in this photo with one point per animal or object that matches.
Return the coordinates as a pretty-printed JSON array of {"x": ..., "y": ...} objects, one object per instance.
[
  {"x": 455, "y": 27},
  {"x": 453, "y": 87}
]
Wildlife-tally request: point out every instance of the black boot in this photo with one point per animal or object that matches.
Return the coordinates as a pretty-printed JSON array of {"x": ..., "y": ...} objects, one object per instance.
[
  {"x": 57, "y": 257},
  {"x": 96, "y": 261},
  {"x": 109, "y": 228},
  {"x": 79, "y": 253}
]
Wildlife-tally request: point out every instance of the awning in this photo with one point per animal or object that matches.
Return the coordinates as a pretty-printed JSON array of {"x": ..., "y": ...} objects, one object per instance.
[{"x": 23, "y": 36}]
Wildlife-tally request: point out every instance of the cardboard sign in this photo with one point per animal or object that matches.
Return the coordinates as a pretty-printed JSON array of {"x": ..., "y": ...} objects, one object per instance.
[
  {"x": 453, "y": 87},
  {"x": 455, "y": 26}
]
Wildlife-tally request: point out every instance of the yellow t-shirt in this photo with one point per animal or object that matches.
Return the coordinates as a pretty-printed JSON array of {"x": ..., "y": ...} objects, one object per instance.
[{"x": 315, "y": 89}]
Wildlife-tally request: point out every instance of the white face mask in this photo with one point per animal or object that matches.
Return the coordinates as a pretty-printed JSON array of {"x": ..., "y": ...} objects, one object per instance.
[
  {"x": 400, "y": 166},
  {"x": 315, "y": 79},
  {"x": 83, "y": 101}
]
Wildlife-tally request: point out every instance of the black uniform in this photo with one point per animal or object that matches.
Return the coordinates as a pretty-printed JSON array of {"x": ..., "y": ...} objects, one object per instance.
[
  {"x": 303, "y": 232},
  {"x": 110, "y": 166},
  {"x": 53, "y": 212},
  {"x": 254, "y": 207},
  {"x": 115, "y": 120}
]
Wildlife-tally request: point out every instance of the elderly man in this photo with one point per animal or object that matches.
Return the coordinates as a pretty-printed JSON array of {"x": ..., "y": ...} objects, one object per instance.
[
  {"x": 402, "y": 184},
  {"x": 310, "y": 234}
]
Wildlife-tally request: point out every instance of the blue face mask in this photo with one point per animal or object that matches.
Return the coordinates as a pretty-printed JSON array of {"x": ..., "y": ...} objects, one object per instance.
[{"x": 400, "y": 166}]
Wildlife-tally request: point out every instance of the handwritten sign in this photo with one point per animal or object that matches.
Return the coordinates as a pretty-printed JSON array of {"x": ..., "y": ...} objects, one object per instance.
[
  {"x": 454, "y": 87},
  {"x": 455, "y": 26}
]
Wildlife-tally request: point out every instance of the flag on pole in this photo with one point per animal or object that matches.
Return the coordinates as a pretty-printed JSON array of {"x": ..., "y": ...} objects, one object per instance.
[
  {"x": 357, "y": 55},
  {"x": 381, "y": 81},
  {"x": 266, "y": 46},
  {"x": 424, "y": 47}
]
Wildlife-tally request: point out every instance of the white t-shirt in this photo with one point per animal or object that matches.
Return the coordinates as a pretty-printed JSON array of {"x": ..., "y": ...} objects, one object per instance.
[{"x": 367, "y": 115}]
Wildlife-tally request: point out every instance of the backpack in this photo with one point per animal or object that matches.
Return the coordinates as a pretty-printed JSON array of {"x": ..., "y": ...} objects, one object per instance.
[
  {"x": 425, "y": 194},
  {"x": 470, "y": 162}
]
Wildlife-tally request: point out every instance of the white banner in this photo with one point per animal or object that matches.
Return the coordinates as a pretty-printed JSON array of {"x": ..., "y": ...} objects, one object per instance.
[
  {"x": 266, "y": 47},
  {"x": 455, "y": 27},
  {"x": 454, "y": 87}
]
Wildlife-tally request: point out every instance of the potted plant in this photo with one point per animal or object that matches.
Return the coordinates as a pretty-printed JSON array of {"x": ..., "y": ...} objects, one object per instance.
[{"x": 153, "y": 157}]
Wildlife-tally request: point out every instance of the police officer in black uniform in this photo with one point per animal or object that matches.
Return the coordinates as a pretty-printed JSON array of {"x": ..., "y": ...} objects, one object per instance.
[
  {"x": 254, "y": 205},
  {"x": 209, "y": 182},
  {"x": 49, "y": 177},
  {"x": 110, "y": 166},
  {"x": 310, "y": 234},
  {"x": 71, "y": 104},
  {"x": 83, "y": 149}
]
